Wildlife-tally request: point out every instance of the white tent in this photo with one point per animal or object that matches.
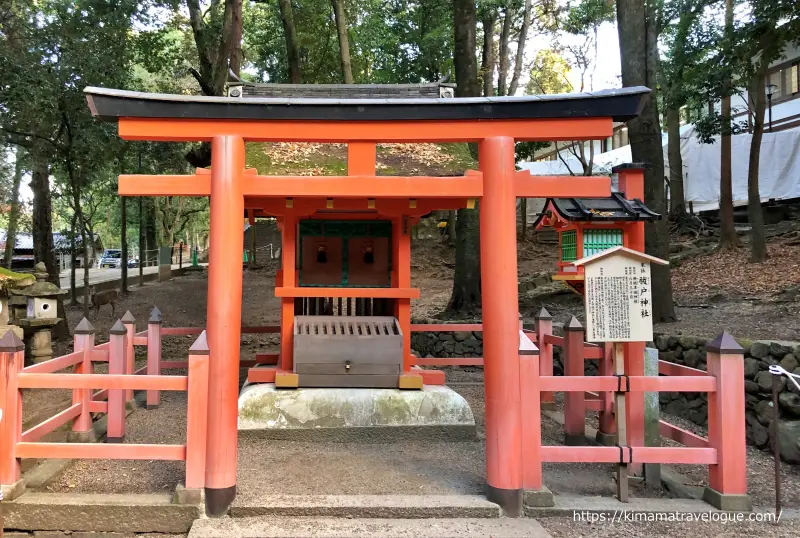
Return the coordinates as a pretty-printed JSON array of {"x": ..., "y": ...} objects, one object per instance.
[{"x": 779, "y": 169}]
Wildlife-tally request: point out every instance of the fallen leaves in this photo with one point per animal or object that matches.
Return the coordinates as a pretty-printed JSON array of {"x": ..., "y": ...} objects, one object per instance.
[{"x": 731, "y": 272}]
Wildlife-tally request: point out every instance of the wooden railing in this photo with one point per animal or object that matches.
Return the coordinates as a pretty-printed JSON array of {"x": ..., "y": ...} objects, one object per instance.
[
  {"x": 116, "y": 388},
  {"x": 723, "y": 451}
]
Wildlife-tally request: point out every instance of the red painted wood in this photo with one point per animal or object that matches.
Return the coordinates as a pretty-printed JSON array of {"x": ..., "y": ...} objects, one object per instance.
[
  {"x": 699, "y": 456},
  {"x": 169, "y": 365},
  {"x": 97, "y": 381},
  {"x": 56, "y": 421},
  {"x": 139, "y": 340},
  {"x": 575, "y": 384},
  {"x": 261, "y": 375},
  {"x": 154, "y": 364},
  {"x": 83, "y": 343},
  {"x": 450, "y": 361},
  {"x": 99, "y": 355},
  {"x": 98, "y": 407},
  {"x": 531, "y": 422},
  {"x": 101, "y": 451},
  {"x": 544, "y": 328},
  {"x": 430, "y": 377},
  {"x": 553, "y": 340},
  {"x": 446, "y": 327},
  {"x": 679, "y": 435},
  {"x": 580, "y": 454},
  {"x": 197, "y": 421},
  {"x": 374, "y": 293},
  {"x": 672, "y": 384},
  {"x": 54, "y": 365},
  {"x": 672, "y": 369}
]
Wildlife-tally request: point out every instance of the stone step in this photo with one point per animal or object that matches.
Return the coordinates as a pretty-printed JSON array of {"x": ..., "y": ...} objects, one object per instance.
[
  {"x": 366, "y": 506},
  {"x": 295, "y": 527}
]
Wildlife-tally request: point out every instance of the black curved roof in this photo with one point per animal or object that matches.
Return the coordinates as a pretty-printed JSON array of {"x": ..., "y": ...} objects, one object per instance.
[
  {"x": 613, "y": 208},
  {"x": 619, "y": 104}
]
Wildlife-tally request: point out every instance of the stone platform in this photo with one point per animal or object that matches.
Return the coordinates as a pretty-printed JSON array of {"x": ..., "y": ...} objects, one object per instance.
[{"x": 353, "y": 414}]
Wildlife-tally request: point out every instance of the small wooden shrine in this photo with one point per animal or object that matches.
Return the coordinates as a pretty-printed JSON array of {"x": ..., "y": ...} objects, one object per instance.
[{"x": 588, "y": 226}]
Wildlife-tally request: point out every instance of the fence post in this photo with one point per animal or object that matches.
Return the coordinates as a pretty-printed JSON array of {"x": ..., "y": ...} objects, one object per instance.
[
  {"x": 727, "y": 480},
  {"x": 197, "y": 414},
  {"x": 12, "y": 358},
  {"x": 575, "y": 401},
  {"x": 83, "y": 340},
  {"x": 606, "y": 433},
  {"x": 130, "y": 354},
  {"x": 116, "y": 397},
  {"x": 534, "y": 492},
  {"x": 154, "y": 355},
  {"x": 544, "y": 326}
]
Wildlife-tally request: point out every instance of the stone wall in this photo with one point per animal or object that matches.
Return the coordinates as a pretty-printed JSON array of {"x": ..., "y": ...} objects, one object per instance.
[
  {"x": 689, "y": 351},
  {"x": 448, "y": 344}
]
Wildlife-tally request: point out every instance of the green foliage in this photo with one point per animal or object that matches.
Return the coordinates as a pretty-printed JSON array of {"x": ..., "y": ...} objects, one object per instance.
[{"x": 584, "y": 16}]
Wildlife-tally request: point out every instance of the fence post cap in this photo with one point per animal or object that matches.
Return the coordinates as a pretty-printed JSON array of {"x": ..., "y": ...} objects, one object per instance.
[
  {"x": 200, "y": 346},
  {"x": 10, "y": 343},
  {"x": 84, "y": 327},
  {"x": 724, "y": 343},
  {"x": 573, "y": 325},
  {"x": 544, "y": 314},
  {"x": 155, "y": 316},
  {"x": 118, "y": 328},
  {"x": 128, "y": 318}
]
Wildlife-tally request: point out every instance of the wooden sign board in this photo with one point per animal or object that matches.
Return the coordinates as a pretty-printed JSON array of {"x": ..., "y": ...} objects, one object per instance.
[{"x": 618, "y": 297}]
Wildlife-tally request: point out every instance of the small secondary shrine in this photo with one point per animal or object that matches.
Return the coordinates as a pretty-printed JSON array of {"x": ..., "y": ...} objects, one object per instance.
[
  {"x": 345, "y": 283},
  {"x": 588, "y": 226}
]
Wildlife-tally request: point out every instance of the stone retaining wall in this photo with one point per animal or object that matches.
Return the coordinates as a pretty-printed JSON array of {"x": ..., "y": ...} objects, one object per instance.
[
  {"x": 690, "y": 351},
  {"x": 448, "y": 344}
]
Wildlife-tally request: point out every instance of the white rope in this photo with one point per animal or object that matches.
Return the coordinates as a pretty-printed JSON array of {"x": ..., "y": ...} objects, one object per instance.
[{"x": 777, "y": 369}]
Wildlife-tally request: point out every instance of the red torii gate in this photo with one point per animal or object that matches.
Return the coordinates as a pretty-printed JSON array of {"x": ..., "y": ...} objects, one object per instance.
[{"x": 494, "y": 123}]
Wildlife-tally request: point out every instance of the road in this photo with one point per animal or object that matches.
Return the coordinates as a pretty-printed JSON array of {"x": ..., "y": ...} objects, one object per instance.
[{"x": 104, "y": 275}]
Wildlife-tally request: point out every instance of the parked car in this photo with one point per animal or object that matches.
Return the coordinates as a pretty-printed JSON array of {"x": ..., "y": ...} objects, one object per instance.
[
  {"x": 111, "y": 258},
  {"x": 133, "y": 262}
]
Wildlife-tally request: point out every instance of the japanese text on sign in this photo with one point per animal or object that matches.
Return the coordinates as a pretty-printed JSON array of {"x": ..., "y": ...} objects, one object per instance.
[{"x": 618, "y": 300}]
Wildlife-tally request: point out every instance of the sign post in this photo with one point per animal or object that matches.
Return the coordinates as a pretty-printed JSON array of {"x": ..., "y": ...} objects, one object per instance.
[{"x": 618, "y": 300}]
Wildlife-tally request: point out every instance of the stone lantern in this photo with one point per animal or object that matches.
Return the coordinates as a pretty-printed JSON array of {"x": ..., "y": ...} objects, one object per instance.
[{"x": 41, "y": 314}]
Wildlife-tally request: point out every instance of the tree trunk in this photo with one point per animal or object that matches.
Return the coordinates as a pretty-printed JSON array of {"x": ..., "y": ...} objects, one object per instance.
[
  {"x": 237, "y": 56},
  {"x": 467, "y": 278},
  {"x": 85, "y": 243},
  {"x": 13, "y": 216},
  {"x": 141, "y": 243},
  {"x": 73, "y": 289},
  {"x": 502, "y": 68},
  {"x": 488, "y": 60},
  {"x": 677, "y": 203},
  {"x": 292, "y": 44},
  {"x": 124, "y": 246},
  {"x": 523, "y": 37},
  {"x": 466, "y": 295},
  {"x": 727, "y": 231},
  {"x": 638, "y": 53},
  {"x": 450, "y": 232},
  {"x": 755, "y": 213},
  {"x": 43, "y": 220},
  {"x": 344, "y": 42}
]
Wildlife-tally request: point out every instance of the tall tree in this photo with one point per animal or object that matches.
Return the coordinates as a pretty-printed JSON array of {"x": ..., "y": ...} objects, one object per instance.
[
  {"x": 292, "y": 44},
  {"x": 340, "y": 17},
  {"x": 727, "y": 231},
  {"x": 773, "y": 24},
  {"x": 684, "y": 50},
  {"x": 13, "y": 216},
  {"x": 466, "y": 294},
  {"x": 505, "y": 37},
  {"x": 637, "y": 27},
  {"x": 523, "y": 38},
  {"x": 488, "y": 60}
]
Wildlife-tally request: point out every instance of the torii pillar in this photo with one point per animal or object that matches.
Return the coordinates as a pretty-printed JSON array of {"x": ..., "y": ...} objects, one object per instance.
[{"x": 224, "y": 319}]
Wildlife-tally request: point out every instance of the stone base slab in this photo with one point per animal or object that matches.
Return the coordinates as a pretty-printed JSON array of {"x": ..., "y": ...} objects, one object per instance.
[
  {"x": 191, "y": 496},
  {"x": 99, "y": 513},
  {"x": 12, "y": 491},
  {"x": 82, "y": 437},
  {"x": 538, "y": 498},
  {"x": 315, "y": 411},
  {"x": 727, "y": 502},
  {"x": 366, "y": 506},
  {"x": 297, "y": 527}
]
